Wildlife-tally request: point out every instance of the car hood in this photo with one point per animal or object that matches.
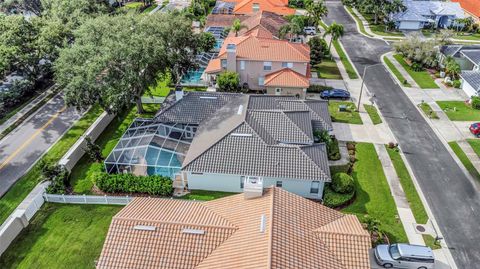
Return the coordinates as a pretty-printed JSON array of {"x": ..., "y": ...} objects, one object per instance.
[{"x": 382, "y": 253}]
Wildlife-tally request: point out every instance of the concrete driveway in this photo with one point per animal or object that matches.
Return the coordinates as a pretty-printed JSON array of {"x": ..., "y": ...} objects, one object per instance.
[{"x": 450, "y": 194}]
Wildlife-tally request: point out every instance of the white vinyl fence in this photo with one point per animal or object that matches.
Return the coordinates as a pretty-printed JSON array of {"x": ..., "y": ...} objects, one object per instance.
[{"x": 87, "y": 199}]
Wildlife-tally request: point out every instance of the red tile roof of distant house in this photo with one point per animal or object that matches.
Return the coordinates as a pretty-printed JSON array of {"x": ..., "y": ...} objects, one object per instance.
[
  {"x": 259, "y": 23},
  {"x": 276, "y": 230},
  {"x": 471, "y": 6},
  {"x": 286, "y": 77},
  {"x": 275, "y": 6}
]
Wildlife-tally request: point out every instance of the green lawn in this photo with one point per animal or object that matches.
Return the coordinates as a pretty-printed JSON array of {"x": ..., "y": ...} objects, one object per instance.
[
  {"x": 346, "y": 62},
  {"x": 373, "y": 113},
  {"x": 422, "y": 78},
  {"x": 323, "y": 25},
  {"x": 428, "y": 111},
  {"x": 475, "y": 144},
  {"x": 373, "y": 195},
  {"x": 61, "y": 236},
  {"x": 379, "y": 29},
  {"x": 395, "y": 71},
  {"x": 349, "y": 116},
  {"x": 464, "y": 159},
  {"x": 81, "y": 177},
  {"x": 150, "y": 8},
  {"x": 133, "y": 5},
  {"x": 457, "y": 35},
  {"x": 206, "y": 195},
  {"x": 328, "y": 69},
  {"x": 26, "y": 183},
  {"x": 358, "y": 20},
  {"x": 459, "y": 111}
]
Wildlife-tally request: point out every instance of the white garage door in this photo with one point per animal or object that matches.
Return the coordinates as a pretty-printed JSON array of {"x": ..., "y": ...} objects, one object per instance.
[{"x": 409, "y": 25}]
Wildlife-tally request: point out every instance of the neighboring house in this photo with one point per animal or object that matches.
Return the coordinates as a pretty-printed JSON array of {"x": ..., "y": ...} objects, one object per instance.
[
  {"x": 472, "y": 7},
  {"x": 419, "y": 14},
  {"x": 258, "y": 61},
  {"x": 471, "y": 82},
  {"x": 259, "y": 229},
  {"x": 455, "y": 51},
  {"x": 239, "y": 7},
  {"x": 265, "y": 22},
  {"x": 214, "y": 141}
]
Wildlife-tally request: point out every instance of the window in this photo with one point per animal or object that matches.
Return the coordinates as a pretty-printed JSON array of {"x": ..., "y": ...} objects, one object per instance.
[
  {"x": 267, "y": 66},
  {"x": 278, "y": 90},
  {"x": 224, "y": 63},
  {"x": 261, "y": 81},
  {"x": 242, "y": 65},
  {"x": 287, "y": 65},
  {"x": 255, "y": 7},
  {"x": 279, "y": 184},
  {"x": 242, "y": 181},
  {"x": 314, "y": 187}
]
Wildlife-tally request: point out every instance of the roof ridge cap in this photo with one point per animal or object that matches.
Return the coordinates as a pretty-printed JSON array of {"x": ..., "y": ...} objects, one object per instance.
[
  {"x": 180, "y": 223},
  {"x": 310, "y": 159},
  {"x": 270, "y": 232}
]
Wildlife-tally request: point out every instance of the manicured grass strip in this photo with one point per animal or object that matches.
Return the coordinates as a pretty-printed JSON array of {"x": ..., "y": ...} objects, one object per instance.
[
  {"x": 150, "y": 8},
  {"x": 81, "y": 176},
  {"x": 28, "y": 114},
  {"x": 27, "y": 182},
  {"x": 475, "y": 144},
  {"x": 373, "y": 196},
  {"x": 328, "y": 69},
  {"x": 373, "y": 113},
  {"x": 359, "y": 21},
  {"x": 395, "y": 71},
  {"x": 464, "y": 159},
  {"x": 379, "y": 28},
  {"x": 206, "y": 195},
  {"x": 61, "y": 236},
  {"x": 323, "y": 25},
  {"x": 349, "y": 116},
  {"x": 346, "y": 62},
  {"x": 459, "y": 111},
  {"x": 422, "y": 78},
  {"x": 427, "y": 109}
]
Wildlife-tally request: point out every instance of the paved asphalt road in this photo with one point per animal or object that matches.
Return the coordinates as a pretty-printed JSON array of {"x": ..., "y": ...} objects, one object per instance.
[
  {"x": 24, "y": 146},
  {"x": 450, "y": 194}
]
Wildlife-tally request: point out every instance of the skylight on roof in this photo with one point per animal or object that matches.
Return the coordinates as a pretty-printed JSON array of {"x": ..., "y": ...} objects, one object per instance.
[
  {"x": 193, "y": 231},
  {"x": 241, "y": 134},
  {"x": 208, "y": 97},
  {"x": 240, "y": 110},
  {"x": 144, "y": 228}
]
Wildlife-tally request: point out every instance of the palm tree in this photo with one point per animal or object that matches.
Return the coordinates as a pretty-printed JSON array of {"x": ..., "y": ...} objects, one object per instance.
[
  {"x": 452, "y": 68},
  {"x": 336, "y": 31},
  {"x": 316, "y": 10},
  {"x": 237, "y": 26},
  {"x": 294, "y": 27}
]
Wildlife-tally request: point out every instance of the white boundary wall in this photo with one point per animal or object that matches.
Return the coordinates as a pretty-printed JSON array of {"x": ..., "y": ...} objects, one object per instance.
[
  {"x": 87, "y": 199},
  {"x": 73, "y": 155}
]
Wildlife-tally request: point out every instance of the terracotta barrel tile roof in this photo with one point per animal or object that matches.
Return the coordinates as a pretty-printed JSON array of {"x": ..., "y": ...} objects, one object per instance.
[{"x": 471, "y": 6}]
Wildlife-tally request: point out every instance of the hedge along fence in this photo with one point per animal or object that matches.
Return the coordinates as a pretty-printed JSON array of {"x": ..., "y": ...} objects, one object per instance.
[{"x": 128, "y": 183}]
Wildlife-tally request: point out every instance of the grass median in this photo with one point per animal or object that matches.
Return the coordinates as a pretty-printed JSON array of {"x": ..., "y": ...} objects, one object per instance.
[
  {"x": 428, "y": 111},
  {"x": 27, "y": 182},
  {"x": 422, "y": 78},
  {"x": 395, "y": 71},
  {"x": 358, "y": 21},
  {"x": 373, "y": 113},
  {"x": 346, "y": 62},
  {"x": 464, "y": 159}
]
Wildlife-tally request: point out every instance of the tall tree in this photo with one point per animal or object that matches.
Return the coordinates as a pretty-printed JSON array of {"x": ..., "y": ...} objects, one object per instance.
[
  {"x": 21, "y": 7},
  {"x": 316, "y": 10},
  {"x": 293, "y": 28},
  {"x": 237, "y": 26},
  {"x": 335, "y": 31}
]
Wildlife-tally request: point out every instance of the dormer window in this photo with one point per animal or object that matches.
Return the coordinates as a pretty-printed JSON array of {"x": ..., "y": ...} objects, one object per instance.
[{"x": 255, "y": 7}]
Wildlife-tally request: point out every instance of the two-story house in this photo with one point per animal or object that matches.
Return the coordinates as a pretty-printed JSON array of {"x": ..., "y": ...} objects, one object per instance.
[{"x": 275, "y": 66}]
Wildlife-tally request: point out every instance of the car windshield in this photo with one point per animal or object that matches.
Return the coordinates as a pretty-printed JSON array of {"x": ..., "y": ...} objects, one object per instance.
[{"x": 394, "y": 252}]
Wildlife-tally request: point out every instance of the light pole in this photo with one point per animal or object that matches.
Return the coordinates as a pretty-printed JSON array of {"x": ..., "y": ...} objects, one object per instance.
[{"x": 363, "y": 82}]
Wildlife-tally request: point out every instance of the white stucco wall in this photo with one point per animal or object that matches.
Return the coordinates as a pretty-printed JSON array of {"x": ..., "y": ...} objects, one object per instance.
[
  {"x": 231, "y": 183},
  {"x": 468, "y": 89}
]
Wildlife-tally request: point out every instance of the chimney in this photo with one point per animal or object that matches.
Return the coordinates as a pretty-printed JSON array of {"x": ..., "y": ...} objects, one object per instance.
[
  {"x": 253, "y": 187},
  {"x": 178, "y": 93},
  {"x": 232, "y": 57}
]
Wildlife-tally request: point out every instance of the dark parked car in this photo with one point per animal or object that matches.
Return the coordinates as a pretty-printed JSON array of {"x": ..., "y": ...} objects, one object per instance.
[
  {"x": 475, "y": 129},
  {"x": 335, "y": 94}
]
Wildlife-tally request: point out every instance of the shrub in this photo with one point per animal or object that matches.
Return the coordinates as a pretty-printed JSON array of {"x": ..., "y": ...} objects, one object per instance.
[
  {"x": 334, "y": 199},
  {"x": 128, "y": 183},
  {"x": 333, "y": 150},
  {"x": 57, "y": 175},
  {"x": 416, "y": 67},
  {"x": 318, "y": 88},
  {"x": 228, "y": 81},
  {"x": 475, "y": 102},
  {"x": 457, "y": 83},
  {"x": 318, "y": 50},
  {"x": 343, "y": 183},
  {"x": 93, "y": 150}
]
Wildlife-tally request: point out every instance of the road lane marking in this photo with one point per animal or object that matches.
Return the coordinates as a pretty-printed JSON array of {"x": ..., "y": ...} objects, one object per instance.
[{"x": 28, "y": 141}]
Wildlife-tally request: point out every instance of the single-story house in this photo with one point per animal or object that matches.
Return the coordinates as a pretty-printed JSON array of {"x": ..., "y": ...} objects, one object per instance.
[
  {"x": 214, "y": 141},
  {"x": 262, "y": 229},
  {"x": 457, "y": 53},
  {"x": 419, "y": 14},
  {"x": 471, "y": 82}
]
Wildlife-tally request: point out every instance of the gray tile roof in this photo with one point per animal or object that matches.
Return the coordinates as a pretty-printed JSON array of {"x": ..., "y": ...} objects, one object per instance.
[
  {"x": 472, "y": 78},
  {"x": 194, "y": 107},
  {"x": 473, "y": 55},
  {"x": 421, "y": 10},
  {"x": 450, "y": 50},
  {"x": 243, "y": 152}
]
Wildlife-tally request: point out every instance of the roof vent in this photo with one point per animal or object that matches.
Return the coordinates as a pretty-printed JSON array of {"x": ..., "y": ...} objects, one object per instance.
[
  {"x": 193, "y": 231},
  {"x": 241, "y": 134},
  {"x": 208, "y": 97},
  {"x": 240, "y": 110},
  {"x": 263, "y": 223},
  {"x": 144, "y": 228}
]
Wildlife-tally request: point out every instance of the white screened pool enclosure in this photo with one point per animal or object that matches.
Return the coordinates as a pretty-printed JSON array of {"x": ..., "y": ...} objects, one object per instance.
[{"x": 151, "y": 148}]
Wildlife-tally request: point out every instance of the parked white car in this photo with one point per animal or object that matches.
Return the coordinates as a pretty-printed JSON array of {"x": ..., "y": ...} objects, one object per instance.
[
  {"x": 310, "y": 30},
  {"x": 404, "y": 256}
]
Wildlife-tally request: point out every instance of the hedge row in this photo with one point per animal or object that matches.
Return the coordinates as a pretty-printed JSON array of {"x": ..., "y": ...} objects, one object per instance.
[{"x": 128, "y": 183}]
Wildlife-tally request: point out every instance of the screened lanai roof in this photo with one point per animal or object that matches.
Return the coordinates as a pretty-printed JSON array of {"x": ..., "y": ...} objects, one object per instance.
[{"x": 148, "y": 147}]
